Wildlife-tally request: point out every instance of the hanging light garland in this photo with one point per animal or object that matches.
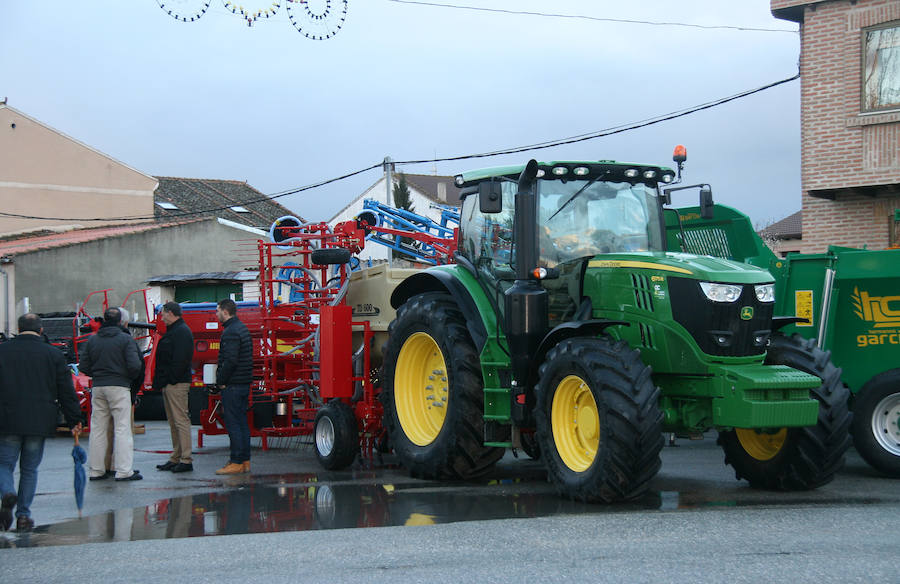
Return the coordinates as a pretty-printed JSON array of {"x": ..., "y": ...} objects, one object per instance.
[
  {"x": 171, "y": 7},
  {"x": 317, "y": 20},
  {"x": 321, "y": 21},
  {"x": 252, "y": 16}
]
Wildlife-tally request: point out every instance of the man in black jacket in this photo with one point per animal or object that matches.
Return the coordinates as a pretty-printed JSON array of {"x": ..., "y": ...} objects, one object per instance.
[
  {"x": 172, "y": 375},
  {"x": 34, "y": 382},
  {"x": 233, "y": 376},
  {"x": 112, "y": 359}
]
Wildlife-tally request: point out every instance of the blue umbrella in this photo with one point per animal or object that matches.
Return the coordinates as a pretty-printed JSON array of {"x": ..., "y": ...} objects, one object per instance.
[{"x": 80, "y": 457}]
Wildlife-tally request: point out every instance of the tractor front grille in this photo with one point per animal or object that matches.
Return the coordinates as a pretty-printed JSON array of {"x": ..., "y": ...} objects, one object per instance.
[{"x": 718, "y": 327}]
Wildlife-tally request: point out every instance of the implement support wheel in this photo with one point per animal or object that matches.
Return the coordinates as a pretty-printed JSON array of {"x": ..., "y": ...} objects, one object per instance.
[{"x": 337, "y": 435}]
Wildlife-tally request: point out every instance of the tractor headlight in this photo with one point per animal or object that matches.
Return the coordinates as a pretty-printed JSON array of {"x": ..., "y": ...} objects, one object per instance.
[
  {"x": 721, "y": 292},
  {"x": 765, "y": 292}
]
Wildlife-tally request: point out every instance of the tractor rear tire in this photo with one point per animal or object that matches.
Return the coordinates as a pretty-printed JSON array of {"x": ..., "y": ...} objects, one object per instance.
[
  {"x": 796, "y": 459},
  {"x": 599, "y": 425},
  {"x": 336, "y": 435},
  {"x": 876, "y": 422},
  {"x": 433, "y": 392}
]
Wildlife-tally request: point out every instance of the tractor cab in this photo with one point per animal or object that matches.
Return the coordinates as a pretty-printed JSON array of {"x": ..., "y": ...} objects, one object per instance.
[{"x": 581, "y": 209}]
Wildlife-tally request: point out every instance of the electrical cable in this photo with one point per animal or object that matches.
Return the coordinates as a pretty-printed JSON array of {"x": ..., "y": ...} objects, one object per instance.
[
  {"x": 595, "y": 18},
  {"x": 513, "y": 150}
]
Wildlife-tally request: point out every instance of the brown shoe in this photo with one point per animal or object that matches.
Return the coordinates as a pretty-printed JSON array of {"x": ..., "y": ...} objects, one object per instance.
[
  {"x": 231, "y": 468},
  {"x": 246, "y": 466}
]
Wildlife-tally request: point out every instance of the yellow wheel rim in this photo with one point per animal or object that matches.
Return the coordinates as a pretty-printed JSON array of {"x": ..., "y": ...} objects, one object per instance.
[
  {"x": 760, "y": 445},
  {"x": 575, "y": 420},
  {"x": 421, "y": 389}
]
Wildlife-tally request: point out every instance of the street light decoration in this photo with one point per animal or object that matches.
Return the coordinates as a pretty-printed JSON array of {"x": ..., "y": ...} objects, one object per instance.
[
  {"x": 184, "y": 10},
  {"x": 317, "y": 20}
]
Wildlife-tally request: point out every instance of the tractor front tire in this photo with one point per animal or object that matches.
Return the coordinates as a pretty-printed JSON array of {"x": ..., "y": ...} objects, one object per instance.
[
  {"x": 433, "y": 392},
  {"x": 876, "y": 422},
  {"x": 336, "y": 434},
  {"x": 795, "y": 459},
  {"x": 599, "y": 425}
]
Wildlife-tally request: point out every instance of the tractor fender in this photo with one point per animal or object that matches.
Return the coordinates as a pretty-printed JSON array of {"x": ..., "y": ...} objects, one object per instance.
[
  {"x": 444, "y": 281},
  {"x": 576, "y": 328}
]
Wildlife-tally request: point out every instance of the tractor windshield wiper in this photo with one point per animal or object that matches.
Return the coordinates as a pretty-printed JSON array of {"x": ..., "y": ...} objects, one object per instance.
[{"x": 577, "y": 194}]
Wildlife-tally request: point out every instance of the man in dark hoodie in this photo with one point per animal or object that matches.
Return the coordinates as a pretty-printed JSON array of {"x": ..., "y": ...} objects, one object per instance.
[
  {"x": 112, "y": 360},
  {"x": 172, "y": 376}
]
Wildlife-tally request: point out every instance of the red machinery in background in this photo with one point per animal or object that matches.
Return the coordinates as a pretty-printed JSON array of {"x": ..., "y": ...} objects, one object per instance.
[
  {"x": 311, "y": 359},
  {"x": 304, "y": 358}
]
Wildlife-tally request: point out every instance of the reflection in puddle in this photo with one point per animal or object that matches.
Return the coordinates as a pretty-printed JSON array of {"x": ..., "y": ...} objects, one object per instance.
[
  {"x": 254, "y": 508},
  {"x": 267, "y": 509}
]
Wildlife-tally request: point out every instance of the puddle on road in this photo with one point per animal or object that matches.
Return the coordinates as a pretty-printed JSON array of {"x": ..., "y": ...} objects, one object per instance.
[
  {"x": 255, "y": 508},
  {"x": 268, "y": 509}
]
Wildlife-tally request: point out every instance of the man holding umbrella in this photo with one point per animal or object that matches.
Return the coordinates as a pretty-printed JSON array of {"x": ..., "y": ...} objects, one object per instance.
[{"x": 34, "y": 378}]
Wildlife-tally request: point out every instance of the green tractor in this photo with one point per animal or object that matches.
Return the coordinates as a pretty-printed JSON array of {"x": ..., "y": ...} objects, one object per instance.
[{"x": 567, "y": 330}]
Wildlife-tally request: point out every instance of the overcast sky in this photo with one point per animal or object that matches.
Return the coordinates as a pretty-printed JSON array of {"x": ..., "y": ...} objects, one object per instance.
[{"x": 215, "y": 98}]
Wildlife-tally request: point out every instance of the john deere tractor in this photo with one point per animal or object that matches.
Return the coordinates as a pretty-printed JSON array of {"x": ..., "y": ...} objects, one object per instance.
[{"x": 567, "y": 330}]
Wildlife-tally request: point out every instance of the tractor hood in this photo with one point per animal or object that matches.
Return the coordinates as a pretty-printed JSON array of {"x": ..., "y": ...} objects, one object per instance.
[{"x": 705, "y": 268}]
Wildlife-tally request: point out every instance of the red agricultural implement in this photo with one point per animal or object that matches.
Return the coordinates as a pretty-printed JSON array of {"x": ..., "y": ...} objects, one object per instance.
[{"x": 313, "y": 364}]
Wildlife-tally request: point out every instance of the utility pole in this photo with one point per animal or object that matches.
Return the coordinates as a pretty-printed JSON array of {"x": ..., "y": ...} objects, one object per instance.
[
  {"x": 389, "y": 196},
  {"x": 389, "y": 180}
]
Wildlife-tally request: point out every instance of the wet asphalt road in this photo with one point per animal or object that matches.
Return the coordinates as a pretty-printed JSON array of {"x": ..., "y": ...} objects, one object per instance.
[{"x": 291, "y": 521}]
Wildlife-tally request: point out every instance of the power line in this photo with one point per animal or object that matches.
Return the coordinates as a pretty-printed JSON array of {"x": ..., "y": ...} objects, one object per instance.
[
  {"x": 513, "y": 150},
  {"x": 595, "y": 18},
  {"x": 613, "y": 130}
]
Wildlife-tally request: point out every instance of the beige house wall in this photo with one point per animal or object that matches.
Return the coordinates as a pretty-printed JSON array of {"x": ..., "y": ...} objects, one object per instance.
[
  {"x": 8, "y": 317},
  {"x": 44, "y": 173},
  {"x": 57, "y": 279}
]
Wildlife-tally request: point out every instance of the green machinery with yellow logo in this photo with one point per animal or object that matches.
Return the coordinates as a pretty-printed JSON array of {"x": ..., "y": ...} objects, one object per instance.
[
  {"x": 850, "y": 299},
  {"x": 567, "y": 329}
]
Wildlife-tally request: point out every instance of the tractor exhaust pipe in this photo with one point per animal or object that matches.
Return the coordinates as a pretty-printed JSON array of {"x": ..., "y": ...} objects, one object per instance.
[{"x": 526, "y": 301}]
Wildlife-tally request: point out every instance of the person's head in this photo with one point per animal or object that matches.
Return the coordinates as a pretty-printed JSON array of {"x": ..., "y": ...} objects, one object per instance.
[
  {"x": 30, "y": 323},
  {"x": 125, "y": 316},
  {"x": 112, "y": 316},
  {"x": 171, "y": 311},
  {"x": 225, "y": 309}
]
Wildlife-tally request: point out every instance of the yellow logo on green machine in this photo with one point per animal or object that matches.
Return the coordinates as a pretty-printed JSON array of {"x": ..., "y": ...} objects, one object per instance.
[
  {"x": 877, "y": 310},
  {"x": 746, "y": 313},
  {"x": 880, "y": 313}
]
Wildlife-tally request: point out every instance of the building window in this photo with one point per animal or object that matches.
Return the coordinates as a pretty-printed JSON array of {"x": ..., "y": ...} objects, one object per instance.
[
  {"x": 881, "y": 68},
  {"x": 239, "y": 209},
  {"x": 167, "y": 205}
]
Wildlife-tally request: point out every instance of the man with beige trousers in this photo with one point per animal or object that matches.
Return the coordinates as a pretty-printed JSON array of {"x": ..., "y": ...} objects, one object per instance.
[{"x": 172, "y": 375}]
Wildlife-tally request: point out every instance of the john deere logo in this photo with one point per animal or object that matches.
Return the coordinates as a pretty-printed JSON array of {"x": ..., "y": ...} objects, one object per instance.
[{"x": 746, "y": 313}]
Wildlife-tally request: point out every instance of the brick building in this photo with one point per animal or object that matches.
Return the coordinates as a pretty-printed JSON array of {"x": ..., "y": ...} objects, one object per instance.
[{"x": 850, "y": 120}]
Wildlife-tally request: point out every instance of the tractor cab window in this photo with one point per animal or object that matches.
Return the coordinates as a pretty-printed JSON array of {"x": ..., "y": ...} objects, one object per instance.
[
  {"x": 486, "y": 239},
  {"x": 580, "y": 218}
]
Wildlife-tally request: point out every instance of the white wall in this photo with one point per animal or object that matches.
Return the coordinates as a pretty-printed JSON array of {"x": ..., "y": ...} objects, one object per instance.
[{"x": 422, "y": 205}]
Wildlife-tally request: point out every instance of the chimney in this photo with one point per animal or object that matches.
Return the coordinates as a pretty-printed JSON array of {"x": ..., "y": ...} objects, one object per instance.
[{"x": 442, "y": 192}]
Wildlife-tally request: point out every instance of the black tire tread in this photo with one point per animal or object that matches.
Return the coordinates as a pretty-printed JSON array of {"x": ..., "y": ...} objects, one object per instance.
[
  {"x": 875, "y": 390},
  {"x": 459, "y": 451},
  {"x": 346, "y": 435},
  {"x": 632, "y": 426},
  {"x": 813, "y": 454}
]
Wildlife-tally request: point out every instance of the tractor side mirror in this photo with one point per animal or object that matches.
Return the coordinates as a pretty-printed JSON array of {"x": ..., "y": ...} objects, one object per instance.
[
  {"x": 490, "y": 197},
  {"x": 706, "y": 202}
]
